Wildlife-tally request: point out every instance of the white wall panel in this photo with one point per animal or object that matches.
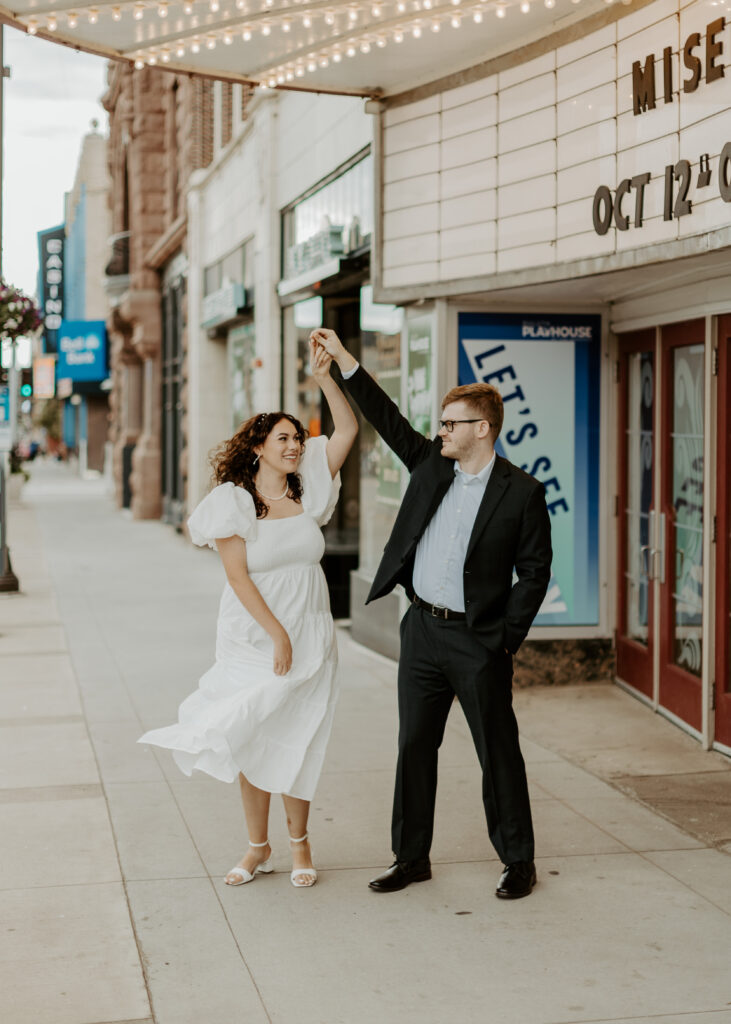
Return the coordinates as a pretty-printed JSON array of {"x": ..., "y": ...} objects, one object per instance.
[
  {"x": 597, "y": 139},
  {"x": 468, "y": 117},
  {"x": 460, "y": 181},
  {"x": 526, "y": 256},
  {"x": 585, "y": 245},
  {"x": 417, "y": 248},
  {"x": 531, "y": 69},
  {"x": 466, "y": 240},
  {"x": 423, "y": 188},
  {"x": 526, "y": 97},
  {"x": 587, "y": 108},
  {"x": 581, "y": 180},
  {"x": 653, "y": 14},
  {"x": 634, "y": 130},
  {"x": 654, "y": 230},
  {"x": 408, "y": 134},
  {"x": 527, "y": 228},
  {"x": 414, "y": 220},
  {"x": 395, "y": 115},
  {"x": 414, "y": 273},
  {"x": 526, "y": 164},
  {"x": 468, "y": 149},
  {"x": 527, "y": 130},
  {"x": 477, "y": 265},
  {"x": 534, "y": 194},
  {"x": 573, "y": 218},
  {"x": 592, "y": 43},
  {"x": 583, "y": 75},
  {"x": 411, "y": 163},
  {"x": 477, "y": 206},
  {"x": 650, "y": 40}
]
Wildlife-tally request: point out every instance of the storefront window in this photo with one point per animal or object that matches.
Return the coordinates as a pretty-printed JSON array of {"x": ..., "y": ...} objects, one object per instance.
[
  {"x": 640, "y": 406},
  {"x": 241, "y": 354},
  {"x": 380, "y": 472},
  {"x": 688, "y": 407},
  {"x": 236, "y": 268},
  {"x": 335, "y": 220}
]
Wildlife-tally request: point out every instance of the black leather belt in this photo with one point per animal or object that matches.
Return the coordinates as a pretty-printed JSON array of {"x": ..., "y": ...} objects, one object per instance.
[{"x": 437, "y": 612}]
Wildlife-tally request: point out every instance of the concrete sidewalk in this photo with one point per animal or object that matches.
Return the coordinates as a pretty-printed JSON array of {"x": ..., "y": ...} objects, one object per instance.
[{"x": 112, "y": 903}]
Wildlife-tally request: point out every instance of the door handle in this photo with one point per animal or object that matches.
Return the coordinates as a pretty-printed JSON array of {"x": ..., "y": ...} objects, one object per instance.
[
  {"x": 660, "y": 550},
  {"x": 647, "y": 554}
]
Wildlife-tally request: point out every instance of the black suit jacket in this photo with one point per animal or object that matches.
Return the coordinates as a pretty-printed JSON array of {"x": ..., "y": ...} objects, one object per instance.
[{"x": 512, "y": 528}]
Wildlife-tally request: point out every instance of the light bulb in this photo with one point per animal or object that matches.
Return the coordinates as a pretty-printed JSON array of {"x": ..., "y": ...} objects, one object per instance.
[
  {"x": 139, "y": 64},
  {"x": 280, "y": 78},
  {"x": 195, "y": 46},
  {"x": 324, "y": 60},
  {"x": 311, "y": 65},
  {"x": 381, "y": 41},
  {"x": 299, "y": 71},
  {"x": 162, "y": 9},
  {"x": 456, "y": 2},
  {"x": 329, "y": 18},
  {"x": 246, "y": 34},
  {"x": 32, "y": 26},
  {"x": 365, "y": 46},
  {"x": 456, "y": 21},
  {"x": 416, "y": 31},
  {"x": 138, "y": 12},
  {"x": 241, "y": 5},
  {"x": 165, "y": 56},
  {"x": 307, "y": 21},
  {"x": 525, "y": 7},
  {"x": 116, "y": 13},
  {"x": 266, "y": 30},
  {"x": 500, "y": 10},
  {"x": 549, "y": 3},
  {"x": 73, "y": 19},
  {"x": 180, "y": 50},
  {"x": 436, "y": 25},
  {"x": 215, "y": 5},
  {"x": 93, "y": 15},
  {"x": 350, "y": 50},
  {"x": 477, "y": 17},
  {"x": 398, "y": 36},
  {"x": 51, "y": 23},
  {"x": 376, "y": 10},
  {"x": 352, "y": 14},
  {"x": 188, "y": 7},
  {"x": 286, "y": 25},
  {"x": 337, "y": 56},
  {"x": 289, "y": 75},
  {"x": 427, "y": 5},
  {"x": 227, "y": 38},
  {"x": 401, "y": 6},
  {"x": 210, "y": 42},
  {"x": 152, "y": 59}
]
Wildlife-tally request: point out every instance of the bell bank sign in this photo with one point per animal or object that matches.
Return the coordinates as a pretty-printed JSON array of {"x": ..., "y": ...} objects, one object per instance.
[{"x": 653, "y": 80}]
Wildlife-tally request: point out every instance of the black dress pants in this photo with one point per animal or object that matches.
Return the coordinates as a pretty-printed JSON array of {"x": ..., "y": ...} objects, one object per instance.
[{"x": 439, "y": 659}]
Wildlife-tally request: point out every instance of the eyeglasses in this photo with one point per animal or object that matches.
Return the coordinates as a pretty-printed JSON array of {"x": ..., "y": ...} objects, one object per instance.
[{"x": 448, "y": 425}]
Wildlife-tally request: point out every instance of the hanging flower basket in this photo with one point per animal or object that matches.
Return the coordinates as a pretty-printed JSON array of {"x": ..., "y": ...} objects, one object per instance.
[{"x": 19, "y": 314}]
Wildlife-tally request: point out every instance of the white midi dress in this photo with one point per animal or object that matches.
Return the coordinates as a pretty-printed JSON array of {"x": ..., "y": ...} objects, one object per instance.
[{"x": 243, "y": 717}]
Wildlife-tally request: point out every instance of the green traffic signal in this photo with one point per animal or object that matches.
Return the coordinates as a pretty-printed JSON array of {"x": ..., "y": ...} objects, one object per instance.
[{"x": 26, "y": 390}]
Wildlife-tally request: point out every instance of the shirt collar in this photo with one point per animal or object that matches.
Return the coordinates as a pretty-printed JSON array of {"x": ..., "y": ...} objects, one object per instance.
[{"x": 482, "y": 476}]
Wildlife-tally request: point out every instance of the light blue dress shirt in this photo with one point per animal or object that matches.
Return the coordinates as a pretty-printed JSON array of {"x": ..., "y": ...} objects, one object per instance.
[{"x": 440, "y": 554}]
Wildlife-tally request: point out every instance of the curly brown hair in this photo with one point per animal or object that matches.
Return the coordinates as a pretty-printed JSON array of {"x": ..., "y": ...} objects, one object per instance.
[{"x": 236, "y": 461}]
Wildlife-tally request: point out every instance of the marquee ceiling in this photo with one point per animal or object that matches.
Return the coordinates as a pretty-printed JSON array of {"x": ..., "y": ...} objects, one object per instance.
[{"x": 368, "y": 48}]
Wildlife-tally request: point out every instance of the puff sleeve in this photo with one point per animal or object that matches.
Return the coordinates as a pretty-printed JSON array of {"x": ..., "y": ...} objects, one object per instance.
[
  {"x": 319, "y": 489},
  {"x": 227, "y": 511}
]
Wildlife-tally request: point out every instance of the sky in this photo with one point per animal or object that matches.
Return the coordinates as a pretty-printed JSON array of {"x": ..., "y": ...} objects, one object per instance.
[{"x": 51, "y": 97}]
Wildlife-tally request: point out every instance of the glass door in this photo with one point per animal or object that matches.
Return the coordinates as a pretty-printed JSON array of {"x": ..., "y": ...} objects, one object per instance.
[
  {"x": 635, "y": 634},
  {"x": 723, "y": 539},
  {"x": 680, "y": 523}
]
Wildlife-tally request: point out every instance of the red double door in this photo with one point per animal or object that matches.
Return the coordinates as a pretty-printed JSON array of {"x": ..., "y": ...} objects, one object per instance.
[{"x": 665, "y": 534}]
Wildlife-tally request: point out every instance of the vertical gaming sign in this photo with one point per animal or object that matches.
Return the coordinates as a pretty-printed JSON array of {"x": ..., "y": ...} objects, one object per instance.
[
  {"x": 50, "y": 260},
  {"x": 547, "y": 369}
]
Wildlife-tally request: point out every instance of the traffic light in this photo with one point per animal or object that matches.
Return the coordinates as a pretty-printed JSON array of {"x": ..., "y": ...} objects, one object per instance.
[{"x": 26, "y": 382}]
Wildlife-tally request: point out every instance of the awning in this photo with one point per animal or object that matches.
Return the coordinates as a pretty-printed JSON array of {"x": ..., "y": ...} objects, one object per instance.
[{"x": 370, "y": 48}]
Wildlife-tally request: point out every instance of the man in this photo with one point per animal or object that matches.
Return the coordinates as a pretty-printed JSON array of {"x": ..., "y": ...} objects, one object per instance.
[{"x": 468, "y": 518}]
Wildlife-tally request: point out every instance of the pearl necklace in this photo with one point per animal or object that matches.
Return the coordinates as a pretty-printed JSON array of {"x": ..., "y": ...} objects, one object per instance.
[{"x": 269, "y": 497}]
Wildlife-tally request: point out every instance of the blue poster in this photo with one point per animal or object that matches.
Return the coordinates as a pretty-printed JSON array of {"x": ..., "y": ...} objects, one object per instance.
[
  {"x": 82, "y": 350},
  {"x": 547, "y": 369}
]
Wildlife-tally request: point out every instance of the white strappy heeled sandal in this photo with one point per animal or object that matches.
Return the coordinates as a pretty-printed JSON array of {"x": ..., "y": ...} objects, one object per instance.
[
  {"x": 244, "y": 876},
  {"x": 300, "y": 872}
]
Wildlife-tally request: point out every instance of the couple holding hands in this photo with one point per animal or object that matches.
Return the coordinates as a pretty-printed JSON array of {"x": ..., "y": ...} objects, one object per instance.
[{"x": 469, "y": 519}]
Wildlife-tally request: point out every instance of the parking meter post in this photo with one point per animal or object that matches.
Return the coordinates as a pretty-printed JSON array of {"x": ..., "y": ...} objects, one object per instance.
[{"x": 8, "y": 579}]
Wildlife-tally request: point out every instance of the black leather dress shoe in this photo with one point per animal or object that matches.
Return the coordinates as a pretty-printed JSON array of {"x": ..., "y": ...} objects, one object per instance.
[
  {"x": 400, "y": 874},
  {"x": 517, "y": 880}
]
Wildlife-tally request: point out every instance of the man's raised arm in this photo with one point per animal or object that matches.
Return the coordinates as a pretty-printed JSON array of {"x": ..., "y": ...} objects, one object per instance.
[{"x": 381, "y": 412}]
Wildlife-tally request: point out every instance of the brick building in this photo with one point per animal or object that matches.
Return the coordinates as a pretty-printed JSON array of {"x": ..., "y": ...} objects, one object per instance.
[{"x": 160, "y": 131}]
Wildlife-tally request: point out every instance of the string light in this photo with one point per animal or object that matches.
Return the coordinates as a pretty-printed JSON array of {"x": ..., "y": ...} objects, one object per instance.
[
  {"x": 436, "y": 25},
  {"x": 138, "y": 12},
  {"x": 266, "y": 29},
  {"x": 195, "y": 46},
  {"x": 350, "y": 50},
  {"x": 162, "y": 9},
  {"x": 416, "y": 31},
  {"x": 286, "y": 25},
  {"x": 93, "y": 15},
  {"x": 329, "y": 17},
  {"x": 324, "y": 60},
  {"x": 525, "y": 7},
  {"x": 456, "y": 21},
  {"x": 549, "y": 4},
  {"x": 477, "y": 16},
  {"x": 365, "y": 46},
  {"x": 51, "y": 23},
  {"x": 165, "y": 55},
  {"x": 215, "y": 6},
  {"x": 398, "y": 36},
  {"x": 180, "y": 50},
  {"x": 307, "y": 21},
  {"x": 227, "y": 38},
  {"x": 32, "y": 26},
  {"x": 246, "y": 34},
  {"x": 210, "y": 42},
  {"x": 337, "y": 56},
  {"x": 188, "y": 7},
  {"x": 381, "y": 41},
  {"x": 139, "y": 64},
  {"x": 500, "y": 10},
  {"x": 73, "y": 19},
  {"x": 376, "y": 10},
  {"x": 116, "y": 13}
]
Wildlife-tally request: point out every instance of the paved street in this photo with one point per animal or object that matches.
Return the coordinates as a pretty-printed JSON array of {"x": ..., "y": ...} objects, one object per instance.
[{"x": 112, "y": 906}]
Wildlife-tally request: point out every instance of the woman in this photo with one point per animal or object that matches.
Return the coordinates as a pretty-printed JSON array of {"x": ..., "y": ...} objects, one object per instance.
[{"x": 264, "y": 711}]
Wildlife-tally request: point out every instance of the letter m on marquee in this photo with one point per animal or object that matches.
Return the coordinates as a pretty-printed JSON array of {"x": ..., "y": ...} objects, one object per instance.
[{"x": 643, "y": 85}]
